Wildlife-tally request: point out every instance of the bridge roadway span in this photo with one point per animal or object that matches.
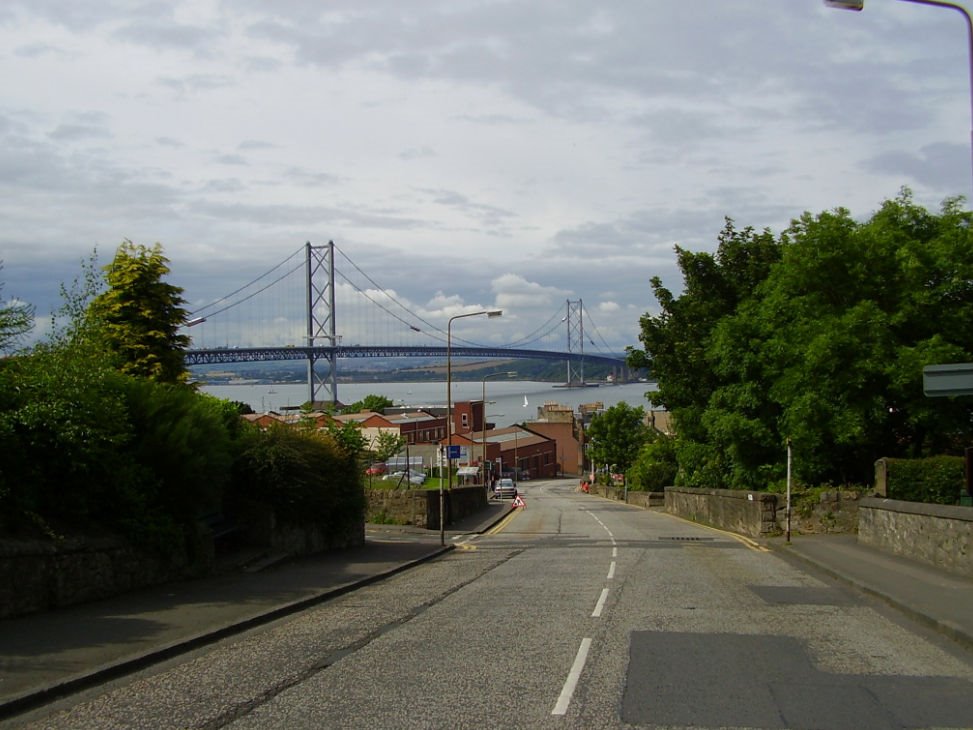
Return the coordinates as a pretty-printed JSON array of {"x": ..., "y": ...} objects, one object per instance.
[{"x": 263, "y": 354}]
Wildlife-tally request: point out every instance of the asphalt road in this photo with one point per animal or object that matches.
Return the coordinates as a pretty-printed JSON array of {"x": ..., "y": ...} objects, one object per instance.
[{"x": 575, "y": 613}]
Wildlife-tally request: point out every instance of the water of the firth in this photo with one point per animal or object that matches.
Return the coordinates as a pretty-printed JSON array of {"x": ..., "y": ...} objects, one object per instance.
[{"x": 508, "y": 396}]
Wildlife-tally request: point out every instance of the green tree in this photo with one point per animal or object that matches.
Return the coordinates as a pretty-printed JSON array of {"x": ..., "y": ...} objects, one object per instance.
[
  {"x": 63, "y": 423},
  {"x": 615, "y": 436},
  {"x": 348, "y": 436},
  {"x": 388, "y": 444},
  {"x": 16, "y": 320},
  {"x": 675, "y": 342},
  {"x": 824, "y": 345},
  {"x": 372, "y": 402},
  {"x": 64, "y": 437},
  {"x": 140, "y": 315},
  {"x": 655, "y": 465}
]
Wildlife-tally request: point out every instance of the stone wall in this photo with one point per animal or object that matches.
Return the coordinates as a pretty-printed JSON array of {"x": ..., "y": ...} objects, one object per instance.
[
  {"x": 637, "y": 498},
  {"x": 37, "y": 575},
  {"x": 936, "y": 534},
  {"x": 420, "y": 507},
  {"x": 831, "y": 511},
  {"x": 263, "y": 529},
  {"x": 747, "y": 513}
]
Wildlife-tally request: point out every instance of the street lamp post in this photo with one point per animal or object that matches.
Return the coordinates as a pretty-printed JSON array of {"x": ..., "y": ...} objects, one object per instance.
[
  {"x": 508, "y": 374},
  {"x": 449, "y": 413},
  {"x": 860, "y": 5},
  {"x": 516, "y": 459}
]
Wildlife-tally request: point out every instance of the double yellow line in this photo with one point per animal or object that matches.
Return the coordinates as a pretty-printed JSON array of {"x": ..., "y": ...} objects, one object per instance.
[
  {"x": 748, "y": 542},
  {"x": 502, "y": 523}
]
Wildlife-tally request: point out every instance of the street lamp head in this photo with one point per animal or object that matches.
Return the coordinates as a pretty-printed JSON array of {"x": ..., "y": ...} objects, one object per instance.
[
  {"x": 846, "y": 4},
  {"x": 489, "y": 313}
]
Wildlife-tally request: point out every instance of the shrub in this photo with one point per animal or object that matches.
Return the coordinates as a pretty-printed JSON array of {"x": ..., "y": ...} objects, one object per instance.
[
  {"x": 936, "y": 479},
  {"x": 655, "y": 466},
  {"x": 63, "y": 438},
  {"x": 184, "y": 440},
  {"x": 304, "y": 476}
]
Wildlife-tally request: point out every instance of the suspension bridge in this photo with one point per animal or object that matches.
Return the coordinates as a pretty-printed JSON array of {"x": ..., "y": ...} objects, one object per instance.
[{"x": 291, "y": 313}]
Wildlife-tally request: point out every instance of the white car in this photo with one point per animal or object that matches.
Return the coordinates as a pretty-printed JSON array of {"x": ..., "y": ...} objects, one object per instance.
[{"x": 505, "y": 488}]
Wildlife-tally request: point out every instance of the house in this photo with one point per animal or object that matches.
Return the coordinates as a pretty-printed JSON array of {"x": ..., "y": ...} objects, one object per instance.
[
  {"x": 371, "y": 424},
  {"x": 661, "y": 421},
  {"x": 419, "y": 427},
  {"x": 272, "y": 418},
  {"x": 524, "y": 452},
  {"x": 558, "y": 422},
  {"x": 568, "y": 446}
]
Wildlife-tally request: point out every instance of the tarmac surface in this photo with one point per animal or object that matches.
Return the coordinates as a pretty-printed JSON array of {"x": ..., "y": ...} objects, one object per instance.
[{"x": 48, "y": 655}]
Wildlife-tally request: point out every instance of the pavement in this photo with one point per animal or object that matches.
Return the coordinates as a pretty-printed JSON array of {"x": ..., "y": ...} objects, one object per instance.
[
  {"x": 48, "y": 655},
  {"x": 940, "y": 599}
]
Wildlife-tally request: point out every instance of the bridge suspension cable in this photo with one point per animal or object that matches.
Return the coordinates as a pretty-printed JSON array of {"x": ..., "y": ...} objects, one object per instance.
[
  {"x": 385, "y": 291},
  {"x": 318, "y": 315},
  {"x": 434, "y": 331},
  {"x": 591, "y": 323},
  {"x": 552, "y": 323},
  {"x": 383, "y": 307},
  {"x": 204, "y": 310}
]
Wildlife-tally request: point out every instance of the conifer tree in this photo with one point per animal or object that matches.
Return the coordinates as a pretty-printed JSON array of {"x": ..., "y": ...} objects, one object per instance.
[{"x": 140, "y": 315}]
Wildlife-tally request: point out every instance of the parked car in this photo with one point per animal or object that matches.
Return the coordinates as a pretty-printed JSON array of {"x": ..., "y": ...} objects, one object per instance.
[
  {"x": 505, "y": 488},
  {"x": 375, "y": 469},
  {"x": 414, "y": 477}
]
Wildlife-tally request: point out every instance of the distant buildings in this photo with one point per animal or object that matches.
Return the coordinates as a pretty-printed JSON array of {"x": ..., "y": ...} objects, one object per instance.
[{"x": 549, "y": 445}]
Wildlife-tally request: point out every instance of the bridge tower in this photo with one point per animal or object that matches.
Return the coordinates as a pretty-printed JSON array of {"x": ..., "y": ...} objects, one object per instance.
[
  {"x": 575, "y": 321},
  {"x": 321, "y": 330}
]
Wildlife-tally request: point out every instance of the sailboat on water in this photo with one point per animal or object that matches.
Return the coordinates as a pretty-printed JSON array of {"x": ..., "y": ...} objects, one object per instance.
[{"x": 525, "y": 400}]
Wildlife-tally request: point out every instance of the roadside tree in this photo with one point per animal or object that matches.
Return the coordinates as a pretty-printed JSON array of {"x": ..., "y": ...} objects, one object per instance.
[
  {"x": 372, "y": 402},
  {"x": 825, "y": 345},
  {"x": 387, "y": 444},
  {"x": 615, "y": 436},
  {"x": 140, "y": 315},
  {"x": 655, "y": 465}
]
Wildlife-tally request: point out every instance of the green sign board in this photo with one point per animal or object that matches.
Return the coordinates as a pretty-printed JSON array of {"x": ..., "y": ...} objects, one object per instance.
[{"x": 948, "y": 380}]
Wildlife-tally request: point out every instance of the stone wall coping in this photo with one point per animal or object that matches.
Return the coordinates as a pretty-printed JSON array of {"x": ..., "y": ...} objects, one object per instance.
[
  {"x": 943, "y": 511},
  {"x": 749, "y": 495}
]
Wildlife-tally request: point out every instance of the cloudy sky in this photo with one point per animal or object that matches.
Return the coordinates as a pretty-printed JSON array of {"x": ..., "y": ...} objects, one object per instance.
[{"x": 464, "y": 153}]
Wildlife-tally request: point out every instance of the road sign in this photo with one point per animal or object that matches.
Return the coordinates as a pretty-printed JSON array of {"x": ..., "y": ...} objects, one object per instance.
[
  {"x": 948, "y": 380},
  {"x": 454, "y": 451}
]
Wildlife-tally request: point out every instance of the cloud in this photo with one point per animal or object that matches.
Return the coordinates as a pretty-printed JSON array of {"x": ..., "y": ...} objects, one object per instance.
[
  {"x": 465, "y": 155},
  {"x": 417, "y": 153},
  {"x": 165, "y": 35},
  {"x": 925, "y": 166}
]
